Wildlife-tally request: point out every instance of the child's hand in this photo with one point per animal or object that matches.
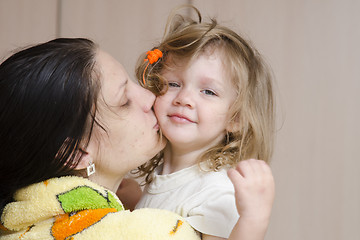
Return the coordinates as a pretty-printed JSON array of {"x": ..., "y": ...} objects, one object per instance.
[{"x": 254, "y": 189}]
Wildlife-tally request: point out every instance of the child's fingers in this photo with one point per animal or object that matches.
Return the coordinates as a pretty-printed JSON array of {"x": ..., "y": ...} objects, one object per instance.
[
  {"x": 234, "y": 176},
  {"x": 245, "y": 168},
  {"x": 266, "y": 168},
  {"x": 254, "y": 171},
  {"x": 251, "y": 172},
  {"x": 263, "y": 169},
  {"x": 251, "y": 167}
]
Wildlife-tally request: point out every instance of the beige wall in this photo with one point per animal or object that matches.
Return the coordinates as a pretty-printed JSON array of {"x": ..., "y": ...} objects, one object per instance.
[
  {"x": 25, "y": 22},
  {"x": 313, "y": 47}
]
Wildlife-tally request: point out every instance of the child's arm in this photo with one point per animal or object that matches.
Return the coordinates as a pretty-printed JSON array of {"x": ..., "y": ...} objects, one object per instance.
[{"x": 254, "y": 195}]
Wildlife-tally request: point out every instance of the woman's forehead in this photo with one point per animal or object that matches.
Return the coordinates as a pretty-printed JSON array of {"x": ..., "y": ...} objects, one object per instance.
[{"x": 113, "y": 77}]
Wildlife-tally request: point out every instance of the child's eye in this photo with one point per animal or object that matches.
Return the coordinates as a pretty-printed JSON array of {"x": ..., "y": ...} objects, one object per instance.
[
  {"x": 209, "y": 92},
  {"x": 173, "y": 84}
]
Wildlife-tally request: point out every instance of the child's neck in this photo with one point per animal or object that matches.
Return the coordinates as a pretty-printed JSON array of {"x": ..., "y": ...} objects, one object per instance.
[{"x": 176, "y": 159}]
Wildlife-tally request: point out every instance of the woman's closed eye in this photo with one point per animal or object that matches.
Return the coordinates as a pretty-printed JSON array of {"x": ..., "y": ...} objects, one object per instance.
[{"x": 126, "y": 104}]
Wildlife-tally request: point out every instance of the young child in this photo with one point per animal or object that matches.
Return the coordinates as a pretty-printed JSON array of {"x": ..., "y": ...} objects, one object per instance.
[{"x": 215, "y": 107}]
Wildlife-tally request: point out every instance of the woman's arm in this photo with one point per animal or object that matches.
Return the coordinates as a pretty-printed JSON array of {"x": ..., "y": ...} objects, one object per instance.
[{"x": 129, "y": 193}]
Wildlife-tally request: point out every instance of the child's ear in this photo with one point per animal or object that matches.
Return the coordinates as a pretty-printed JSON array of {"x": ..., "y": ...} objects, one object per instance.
[{"x": 233, "y": 126}]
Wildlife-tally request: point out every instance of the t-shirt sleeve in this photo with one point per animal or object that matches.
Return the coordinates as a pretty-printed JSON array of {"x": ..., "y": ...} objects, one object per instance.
[{"x": 212, "y": 211}]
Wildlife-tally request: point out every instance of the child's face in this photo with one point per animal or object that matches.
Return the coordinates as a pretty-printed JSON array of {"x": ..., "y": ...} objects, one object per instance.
[{"x": 193, "y": 113}]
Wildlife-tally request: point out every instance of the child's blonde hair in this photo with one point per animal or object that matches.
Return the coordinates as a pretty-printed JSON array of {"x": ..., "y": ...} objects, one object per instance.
[{"x": 252, "y": 113}]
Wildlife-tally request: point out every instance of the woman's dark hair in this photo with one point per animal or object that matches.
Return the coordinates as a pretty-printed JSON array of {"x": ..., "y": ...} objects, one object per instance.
[{"x": 48, "y": 98}]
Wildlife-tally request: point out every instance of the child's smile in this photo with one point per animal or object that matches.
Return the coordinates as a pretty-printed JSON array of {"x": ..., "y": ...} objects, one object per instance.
[{"x": 180, "y": 119}]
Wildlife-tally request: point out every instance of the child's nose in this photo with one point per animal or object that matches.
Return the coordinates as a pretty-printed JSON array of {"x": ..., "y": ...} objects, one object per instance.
[{"x": 184, "y": 98}]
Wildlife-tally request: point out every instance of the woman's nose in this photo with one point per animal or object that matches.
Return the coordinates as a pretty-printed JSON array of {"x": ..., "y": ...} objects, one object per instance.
[
  {"x": 184, "y": 98},
  {"x": 145, "y": 98}
]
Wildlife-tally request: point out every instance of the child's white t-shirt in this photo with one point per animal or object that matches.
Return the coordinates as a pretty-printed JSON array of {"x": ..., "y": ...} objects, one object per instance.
[{"x": 205, "y": 199}]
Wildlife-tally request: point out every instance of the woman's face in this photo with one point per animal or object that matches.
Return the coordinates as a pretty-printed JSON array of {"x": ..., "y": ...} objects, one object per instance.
[{"x": 130, "y": 135}]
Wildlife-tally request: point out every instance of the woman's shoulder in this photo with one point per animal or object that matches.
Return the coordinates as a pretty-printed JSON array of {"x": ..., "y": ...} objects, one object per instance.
[
  {"x": 47, "y": 199},
  {"x": 151, "y": 224},
  {"x": 74, "y": 207}
]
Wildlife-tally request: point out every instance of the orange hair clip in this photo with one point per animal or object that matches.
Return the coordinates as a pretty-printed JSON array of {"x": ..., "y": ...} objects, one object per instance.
[{"x": 152, "y": 57}]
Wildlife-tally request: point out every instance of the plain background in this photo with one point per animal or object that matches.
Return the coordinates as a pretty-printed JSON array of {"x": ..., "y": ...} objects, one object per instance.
[{"x": 313, "y": 48}]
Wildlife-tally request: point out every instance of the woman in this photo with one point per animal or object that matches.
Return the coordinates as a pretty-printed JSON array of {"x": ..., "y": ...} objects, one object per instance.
[{"x": 66, "y": 107}]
